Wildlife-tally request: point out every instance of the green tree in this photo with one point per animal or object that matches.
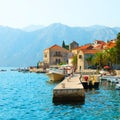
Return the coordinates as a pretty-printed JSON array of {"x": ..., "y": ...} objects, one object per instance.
[
  {"x": 118, "y": 49},
  {"x": 110, "y": 56},
  {"x": 67, "y": 47},
  {"x": 98, "y": 59},
  {"x": 74, "y": 61},
  {"x": 106, "y": 57},
  {"x": 89, "y": 59},
  {"x": 63, "y": 44}
]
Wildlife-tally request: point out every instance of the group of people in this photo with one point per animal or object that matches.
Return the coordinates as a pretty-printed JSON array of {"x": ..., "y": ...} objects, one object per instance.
[{"x": 68, "y": 70}]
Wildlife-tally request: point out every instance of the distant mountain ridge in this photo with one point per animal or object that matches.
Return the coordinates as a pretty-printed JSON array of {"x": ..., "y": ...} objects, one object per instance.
[
  {"x": 24, "y": 48},
  {"x": 32, "y": 28}
]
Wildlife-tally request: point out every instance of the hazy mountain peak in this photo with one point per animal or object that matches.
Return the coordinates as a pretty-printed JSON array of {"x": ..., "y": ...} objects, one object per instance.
[
  {"x": 57, "y": 25},
  {"x": 20, "y": 48},
  {"x": 32, "y": 28},
  {"x": 97, "y": 27}
]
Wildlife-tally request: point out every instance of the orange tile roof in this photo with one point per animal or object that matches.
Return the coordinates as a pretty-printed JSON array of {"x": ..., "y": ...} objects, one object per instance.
[
  {"x": 100, "y": 46},
  {"x": 92, "y": 51},
  {"x": 100, "y": 41},
  {"x": 55, "y": 47},
  {"x": 88, "y": 46},
  {"x": 110, "y": 44}
]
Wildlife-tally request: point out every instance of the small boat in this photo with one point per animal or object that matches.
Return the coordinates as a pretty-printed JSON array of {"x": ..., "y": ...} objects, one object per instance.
[
  {"x": 117, "y": 87},
  {"x": 90, "y": 82},
  {"x": 55, "y": 75},
  {"x": 3, "y": 70},
  {"x": 24, "y": 70},
  {"x": 89, "y": 85}
]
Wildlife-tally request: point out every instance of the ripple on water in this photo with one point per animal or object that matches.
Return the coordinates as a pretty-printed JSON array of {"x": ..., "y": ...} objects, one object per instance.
[{"x": 29, "y": 97}]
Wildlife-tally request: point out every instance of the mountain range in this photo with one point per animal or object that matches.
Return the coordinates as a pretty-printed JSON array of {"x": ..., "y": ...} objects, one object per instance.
[{"x": 24, "y": 47}]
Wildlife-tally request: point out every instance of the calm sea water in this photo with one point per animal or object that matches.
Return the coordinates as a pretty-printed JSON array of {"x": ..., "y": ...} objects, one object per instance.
[{"x": 28, "y": 96}]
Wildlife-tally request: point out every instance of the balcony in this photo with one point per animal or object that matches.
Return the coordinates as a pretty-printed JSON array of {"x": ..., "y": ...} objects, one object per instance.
[{"x": 57, "y": 55}]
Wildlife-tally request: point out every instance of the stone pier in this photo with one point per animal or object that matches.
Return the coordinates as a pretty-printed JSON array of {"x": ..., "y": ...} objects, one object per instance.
[{"x": 70, "y": 90}]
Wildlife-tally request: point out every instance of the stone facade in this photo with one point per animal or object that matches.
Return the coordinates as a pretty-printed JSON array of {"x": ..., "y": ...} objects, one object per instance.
[
  {"x": 82, "y": 56},
  {"x": 80, "y": 61},
  {"x": 55, "y": 55},
  {"x": 73, "y": 45},
  {"x": 68, "y": 95},
  {"x": 70, "y": 90}
]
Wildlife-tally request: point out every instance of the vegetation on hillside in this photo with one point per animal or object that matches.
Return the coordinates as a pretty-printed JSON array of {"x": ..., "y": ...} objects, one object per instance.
[
  {"x": 108, "y": 56},
  {"x": 117, "y": 47}
]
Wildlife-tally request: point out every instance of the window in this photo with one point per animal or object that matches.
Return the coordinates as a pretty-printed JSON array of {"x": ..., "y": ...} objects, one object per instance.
[
  {"x": 58, "y": 61},
  {"x": 57, "y": 53},
  {"x": 80, "y": 56},
  {"x": 45, "y": 55}
]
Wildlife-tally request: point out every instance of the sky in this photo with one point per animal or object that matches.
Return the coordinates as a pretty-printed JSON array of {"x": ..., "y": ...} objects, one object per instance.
[{"x": 21, "y": 13}]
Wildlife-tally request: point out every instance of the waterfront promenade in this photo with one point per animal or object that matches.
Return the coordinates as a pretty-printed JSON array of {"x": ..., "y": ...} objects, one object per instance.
[{"x": 69, "y": 90}]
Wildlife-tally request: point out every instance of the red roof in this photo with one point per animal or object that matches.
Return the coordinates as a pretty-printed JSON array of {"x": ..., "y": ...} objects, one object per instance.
[
  {"x": 100, "y": 46},
  {"x": 100, "y": 42},
  {"x": 92, "y": 51},
  {"x": 110, "y": 44},
  {"x": 88, "y": 46},
  {"x": 55, "y": 47}
]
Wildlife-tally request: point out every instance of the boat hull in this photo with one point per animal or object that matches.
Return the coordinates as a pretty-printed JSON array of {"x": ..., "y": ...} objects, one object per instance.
[
  {"x": 87, "y": 85},
  {"x": 55, "y": 76},
  {"x": 117, "y": 87}
]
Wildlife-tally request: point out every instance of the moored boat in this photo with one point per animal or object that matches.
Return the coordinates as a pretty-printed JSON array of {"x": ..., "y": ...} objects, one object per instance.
[
  {"x": 55, "y": 76},
  {"x": 90, "y": 81},
  {"x": 58, "y": 74},
  {"x": 3, "y": 70},
  {"x": 117, "y": 87}
]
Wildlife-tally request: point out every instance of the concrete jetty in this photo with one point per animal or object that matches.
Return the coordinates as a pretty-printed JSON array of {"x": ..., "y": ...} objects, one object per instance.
[{"x": 70, "y": 90}]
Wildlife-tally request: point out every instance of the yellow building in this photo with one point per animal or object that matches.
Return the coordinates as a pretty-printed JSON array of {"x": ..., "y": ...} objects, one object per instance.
[
  {"x": 83, "y": 55},
  {"x": 89, "y": 50},
  {"x": 55, "y": 55}
]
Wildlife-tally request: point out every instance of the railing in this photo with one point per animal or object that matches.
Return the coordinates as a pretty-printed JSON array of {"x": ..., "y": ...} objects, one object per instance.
[{"x": 57, "y": 55}]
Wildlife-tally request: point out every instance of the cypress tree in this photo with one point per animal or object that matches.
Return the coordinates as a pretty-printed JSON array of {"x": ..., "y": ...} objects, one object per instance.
[{"x": 63, "y": 44}]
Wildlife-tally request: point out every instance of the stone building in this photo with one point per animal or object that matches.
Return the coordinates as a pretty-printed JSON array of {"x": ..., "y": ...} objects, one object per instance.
[
  {"x": 55, "y": 55},
  {"x": 83, "y": 56},
  {"x": 73, "y": 45}
]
